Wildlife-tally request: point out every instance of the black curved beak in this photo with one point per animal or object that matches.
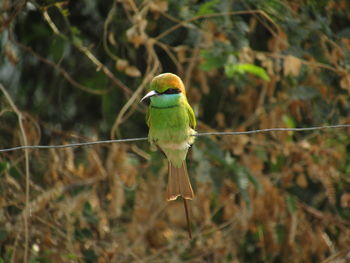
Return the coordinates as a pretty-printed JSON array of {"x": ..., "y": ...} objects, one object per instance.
[{"x": 149, "y": 94}]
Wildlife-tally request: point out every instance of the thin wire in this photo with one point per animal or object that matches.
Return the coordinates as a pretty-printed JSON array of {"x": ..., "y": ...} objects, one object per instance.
[
  {"x": 197, "y": 135},
  {"x": 276, "y": 129},
  {"x": 71, "y": 144}
]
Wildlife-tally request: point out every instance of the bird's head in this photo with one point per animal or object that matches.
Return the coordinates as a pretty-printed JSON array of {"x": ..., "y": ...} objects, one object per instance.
[{"x": 163, "y": 84}]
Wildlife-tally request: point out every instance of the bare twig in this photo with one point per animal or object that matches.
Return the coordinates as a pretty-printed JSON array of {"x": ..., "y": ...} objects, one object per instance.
[
  {"x": 108, "y": 20},
  {"x": 62, "y": 71},
  {"x": 25, "y": 142},
  {"x": 166, "y": 48},
  {"x": 192, "y": 63},
  {"x": 313, "y": 64},
  {"x": 5, "y": 24},
  {"x": 341, "y": 254},
  {"x": 99, "y": 65},
  {"x": 152, "y": 68},
  {"x": 183, "y": 23}
]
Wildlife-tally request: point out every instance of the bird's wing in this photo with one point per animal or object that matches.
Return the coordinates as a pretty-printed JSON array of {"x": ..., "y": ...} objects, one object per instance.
[
  {"x": 148, "y": 117},
  {"x": 191, "y": 116}
]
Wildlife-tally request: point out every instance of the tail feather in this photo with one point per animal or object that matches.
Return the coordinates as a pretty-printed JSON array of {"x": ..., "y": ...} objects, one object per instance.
[{"x": 179, "y": 183}]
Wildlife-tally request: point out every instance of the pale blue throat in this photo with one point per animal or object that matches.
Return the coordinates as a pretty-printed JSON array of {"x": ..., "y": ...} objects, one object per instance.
[{"x": 166, "y": 100}]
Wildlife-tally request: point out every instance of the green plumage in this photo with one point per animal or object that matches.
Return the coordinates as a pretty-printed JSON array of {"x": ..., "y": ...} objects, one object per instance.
[
  {"x": 171, "y": 120},
  {"x": 171, "y": 124}
]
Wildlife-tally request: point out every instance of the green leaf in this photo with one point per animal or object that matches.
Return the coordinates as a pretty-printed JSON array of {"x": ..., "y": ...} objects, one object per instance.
[
  {"x": 241, "y": 181},
  {"x": 277, "y": 166},
  {"x": 345, "y": 33},
  {"x": 61, "y": 6},
  {"x": 238, "y": 69},
  {"x": 65, "y": 12},
  {"x": 207, "y": 8},
  {"x": 211, "y": 61},
  {"x": 3, "y": 234},
  {"x": 82, "y": 233},
  {"x": 280, "y": 233},
  {"x": 291, "y": 203},
  {"x": 4, "y": 166},
  {"x": 89, "y": 214},
  {"x": 240, "y": 174},
  {"x": 203, "y": 169},
  {"x": 90, "y": 255},
  {"x": 303, "y": 93},
  {"x": 289, "y": 121},
  {"x": 253, "y": 180},
  {"x": 13, "y": 171},
  {"x": 72, "y": 256},
  {"x": 56, "y": 49}
]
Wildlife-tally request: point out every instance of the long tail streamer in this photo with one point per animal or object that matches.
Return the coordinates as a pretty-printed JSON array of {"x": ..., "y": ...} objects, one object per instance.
[{"x": 188, "y": 219}]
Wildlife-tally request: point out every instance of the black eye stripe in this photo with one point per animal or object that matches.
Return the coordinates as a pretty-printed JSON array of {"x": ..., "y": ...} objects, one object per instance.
[{"x": 171, "y": 91}]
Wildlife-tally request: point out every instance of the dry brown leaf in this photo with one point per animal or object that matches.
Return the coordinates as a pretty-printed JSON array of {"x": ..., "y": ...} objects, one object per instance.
[
  {"x": 121, "y": 64},
  {"x": 345, "y": 82},
  {"x": 136, "y": 36},
  {"x": 220, "y": 119},
  {"x": 181, "y": 53},
  {"x": 297, "y": 167},
  {"x": 345, "y": 200},
  {"x": 328, "y": 185},
  {"x": 11, "y": 54},
  {"x": 326, "y": 92},
  {"x": 12, "y": 182},
  {"x": 132, "y": 71},
  {"x": 298, "y": 109},
  {"x": 252, "y": 24},
  {"x": 3, "y": 203},
  {"x": 336, "y": 56},
  {"x": 200, "y": 207},
  {"x": 278, "y": 42},
  {"x": 127, "y": 4},
  {"x": 248, "y": 101},
  {"x": 237, "y": 143},
  {"x": 342, "y": 100},
  {"x": 69, "y": 160},
  {"x": 159, "y": 235},
  {"x": 118, "y": 197},
  {"x": 6, "y": 5},
  {"x": 111, "y": 38},
  {"x": 230, "y": 210},
  {"x": 114, "y": 164},
  {"x": 209, "y": 32},
  {"x": 128, "y": 172},
  {"x": 301, "y": 181},
  {"x": 176, "y": 213},
  {"x": 158, "y": 6},
  {"x": 346, "y": 43},
  {"x": 338, "y": 5},
  {"x": 204, "y": 82},
  {"x": 291, "y": 66},
  {"x": 246, "y": 55},
  {"x": 269, "y": 204},
  {"x": 255, "y": 164},
  {"x": 54, "y": 168},
  {"x": 221, "y": 37}
]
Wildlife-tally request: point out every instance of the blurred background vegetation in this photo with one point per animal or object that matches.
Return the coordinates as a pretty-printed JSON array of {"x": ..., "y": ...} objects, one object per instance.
[{"x": 76, "y": 71}]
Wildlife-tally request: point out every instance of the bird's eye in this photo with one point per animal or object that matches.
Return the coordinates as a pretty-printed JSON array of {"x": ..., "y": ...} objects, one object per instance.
[{"x": 171, "y": 91}]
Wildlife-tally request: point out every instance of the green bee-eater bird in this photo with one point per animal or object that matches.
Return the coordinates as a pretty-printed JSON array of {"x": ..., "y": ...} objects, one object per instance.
[{"x": 171, "y": 123}]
